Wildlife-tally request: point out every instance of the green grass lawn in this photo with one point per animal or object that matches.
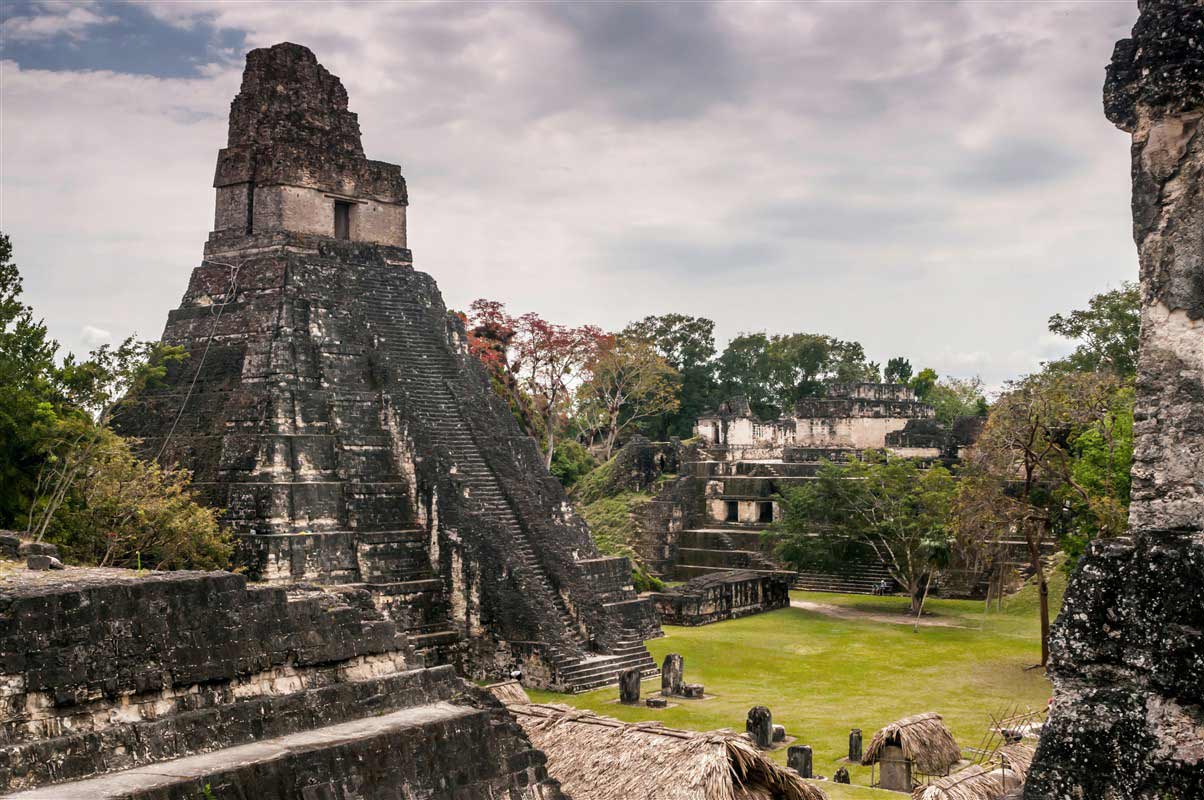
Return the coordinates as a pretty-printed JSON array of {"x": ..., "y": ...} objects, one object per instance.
[{"x": 821, "y": 676}]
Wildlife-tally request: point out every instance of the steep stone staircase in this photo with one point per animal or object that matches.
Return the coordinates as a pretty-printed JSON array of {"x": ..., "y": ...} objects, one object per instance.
[
  {"x": 858, "y": 578},
  {"x": 411, "y": 341}
]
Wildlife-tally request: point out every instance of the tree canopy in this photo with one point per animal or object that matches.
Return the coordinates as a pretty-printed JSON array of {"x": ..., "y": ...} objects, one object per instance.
[
  {"x": 773, "y": 372},
  {"x": 64, "y": 476},
  {"x": 894, "y": 507},
  {"x": 1107, "y": 333},
  {"x": 688, "y": 345}
]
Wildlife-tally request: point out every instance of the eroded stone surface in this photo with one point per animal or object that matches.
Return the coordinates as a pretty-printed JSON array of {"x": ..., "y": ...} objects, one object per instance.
[
  {"x": 1128, "y": 649},
  {"x": 111, "y": 673}
]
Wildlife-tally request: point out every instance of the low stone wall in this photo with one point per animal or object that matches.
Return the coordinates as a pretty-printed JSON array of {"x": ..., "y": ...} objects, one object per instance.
[
  {"x": 724, "y": 595},
  {"x": 448, "y": 757},
  {"x": 105, "y": 670}
]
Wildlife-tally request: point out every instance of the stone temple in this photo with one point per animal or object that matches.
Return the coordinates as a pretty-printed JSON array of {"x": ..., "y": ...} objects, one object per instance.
[
  {"x": 330, "y": 406},
  {"x": 710, "y": 518}
]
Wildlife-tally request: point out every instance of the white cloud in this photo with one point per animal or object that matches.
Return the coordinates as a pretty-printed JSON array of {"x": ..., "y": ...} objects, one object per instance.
[
  {"x": 71, "y": 19},
  {"x": 933, "y": 181},
  {"x": 93, "y": 336}
]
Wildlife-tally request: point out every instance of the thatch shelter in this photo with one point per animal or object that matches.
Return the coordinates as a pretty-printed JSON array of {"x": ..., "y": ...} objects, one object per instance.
[
  {"x": 509, "y": 692},
  {"x": 973, "y": 783},
  {"x": 599, "y": 758},
  {"x": 925, "y": 741},
  {"x": 1017, "y": 757}
]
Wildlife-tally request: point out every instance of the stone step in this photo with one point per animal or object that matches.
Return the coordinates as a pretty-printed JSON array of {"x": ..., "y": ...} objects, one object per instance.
[
  {"x": 415, "y": 586},
  {"x": 597, "y": 683},
  {"x": 611, "y": 666},
  {"x": 184, "y": 777},
  {"x": 437, "y": 638},
  {"x": 403, "y": 535}
]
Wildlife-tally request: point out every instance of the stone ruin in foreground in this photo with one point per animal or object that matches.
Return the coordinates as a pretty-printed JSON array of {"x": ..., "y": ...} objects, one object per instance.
[
  {"x": 250, "y": 691},
  {"x": 329, "y": 404},
  {"x": 1127, "y": 719}
]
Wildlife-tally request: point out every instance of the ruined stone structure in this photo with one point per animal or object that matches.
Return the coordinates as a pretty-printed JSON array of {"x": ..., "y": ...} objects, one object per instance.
[
  {"x": 711, "y": 517},
  {"x": 724, "y": 595},
  {"x": 1128, "y": 648},
  {"x": 248, "y": 691},
  {"x": 329, "y": 405},
  {"x": 858, "y": 416}
]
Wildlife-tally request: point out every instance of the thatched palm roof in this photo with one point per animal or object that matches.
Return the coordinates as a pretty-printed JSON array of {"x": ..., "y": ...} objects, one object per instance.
[
  {"x": 509, "y": 692},
  {"x": 599, "y": 758},
  {"x": 1017, "y": 757},
  {"x": 973, "y": 783},
  {"x": 925, "y": 740}
]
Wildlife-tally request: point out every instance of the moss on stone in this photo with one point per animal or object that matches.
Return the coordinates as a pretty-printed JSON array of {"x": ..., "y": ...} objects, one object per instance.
[{"x": 612, "y": 523}]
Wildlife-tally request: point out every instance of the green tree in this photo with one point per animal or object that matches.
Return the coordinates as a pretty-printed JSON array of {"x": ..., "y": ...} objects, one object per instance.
[
  {"x": 1102, "y": 462},
  {"x": 898, "y": 370},
  {"x": 571, "y": 462},
  {"x": 688, "y": 345},
  {"x": 893, "y": 507},
  {"x": 743, "y": 370},
  {"x": 69, "y": 439},
  {"x": 924, "y": 382},
  {"x": 1023, "y": 478},
  {"x": 628, "y": 382},
  {"x": 1107, "y": 332},
  {"x": 67, "y": 478},
  {"x": 125, "y": 512},
  {"x": 951, "y": 398},
  {"x": 773, "y": 372},
  {"x": 29, "y": 393}
]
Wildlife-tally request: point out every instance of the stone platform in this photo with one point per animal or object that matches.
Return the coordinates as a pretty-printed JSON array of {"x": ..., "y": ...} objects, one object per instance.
[
  {"x": 115, "y": 683},
  {"x": 263, "y": 769}
]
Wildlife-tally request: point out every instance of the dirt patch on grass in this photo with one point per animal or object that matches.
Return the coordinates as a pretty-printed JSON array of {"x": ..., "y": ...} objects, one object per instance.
[{"x": 841, "y": 612}]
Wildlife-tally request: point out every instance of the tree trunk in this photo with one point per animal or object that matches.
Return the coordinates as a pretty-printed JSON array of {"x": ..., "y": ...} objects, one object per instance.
[
  {"x": 1033, "y": 540},
  {"x": 611, "y": 435},
  {"x": 920, "y": 610},
  {"x": 547, "y": 461},
  {"x": 917, "y": 598}
]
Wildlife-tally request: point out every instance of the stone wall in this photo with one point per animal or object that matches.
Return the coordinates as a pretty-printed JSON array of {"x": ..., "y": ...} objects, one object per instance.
[
  {"x": 1127, "y": 651},
  {"x": 109, "y": 671},
  {"x": 724, "y": 595},
  {"x": 858, "y": 416}
]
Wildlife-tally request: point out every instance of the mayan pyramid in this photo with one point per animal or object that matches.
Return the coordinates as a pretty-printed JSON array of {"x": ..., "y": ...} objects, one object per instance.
[{"x": 330, "y": 407}]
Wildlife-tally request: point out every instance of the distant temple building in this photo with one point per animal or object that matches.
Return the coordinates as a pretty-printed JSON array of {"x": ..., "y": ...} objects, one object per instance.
[
  {"x": 858, "y": 416},
  {"x": 330, "y": 407},
  {"x": 710, "y": 519}
]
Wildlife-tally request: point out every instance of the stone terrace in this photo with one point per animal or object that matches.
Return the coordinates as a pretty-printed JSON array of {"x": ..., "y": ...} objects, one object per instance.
[{"x": 107, "y": 674}]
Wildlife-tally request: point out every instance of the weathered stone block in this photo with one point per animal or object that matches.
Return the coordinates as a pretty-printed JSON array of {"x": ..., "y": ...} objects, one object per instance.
[
  {"x": 760, "y": 726},
  {"x": 672, "y": 671},
  {"x": 894, "y": 770},
  {"x": 629, "y": 686},
  {"x": 798, "y": 758}
]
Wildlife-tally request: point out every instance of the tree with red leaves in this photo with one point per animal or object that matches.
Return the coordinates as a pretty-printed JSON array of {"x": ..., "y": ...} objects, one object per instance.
[
  {"x": 491, "y": 333},
  {"x": 549, "y": 361},
  {"x": 535, "y": 364}
]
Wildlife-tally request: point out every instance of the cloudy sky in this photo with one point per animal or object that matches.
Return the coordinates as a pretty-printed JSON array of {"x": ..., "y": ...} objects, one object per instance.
[{"x": 932, "y": 179}]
